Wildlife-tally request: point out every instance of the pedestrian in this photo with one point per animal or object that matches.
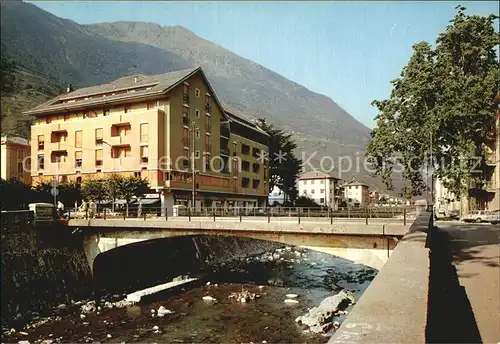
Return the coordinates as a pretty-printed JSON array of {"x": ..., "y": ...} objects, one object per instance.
[
  {"x": 60, "y": 209},
  {"x": 139, "y": 210}
]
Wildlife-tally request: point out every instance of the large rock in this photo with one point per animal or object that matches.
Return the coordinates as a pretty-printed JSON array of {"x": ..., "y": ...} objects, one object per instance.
[{"x": 320, "y": 319}]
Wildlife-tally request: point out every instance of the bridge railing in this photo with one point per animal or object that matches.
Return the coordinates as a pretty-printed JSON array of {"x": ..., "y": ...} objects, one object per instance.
[{"x": 296, "y": 214}]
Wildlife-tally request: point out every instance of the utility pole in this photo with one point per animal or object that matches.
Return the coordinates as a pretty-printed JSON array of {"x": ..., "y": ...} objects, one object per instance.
[{"x": 193, "y": 170}]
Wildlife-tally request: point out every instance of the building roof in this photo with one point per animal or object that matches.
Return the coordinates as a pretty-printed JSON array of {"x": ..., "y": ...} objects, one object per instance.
[
  {"x": 129, "y": 88},
  {"x": 15, "y": 140},
  {"x": 240, "y": 118},
  {"x": 354, "y": 183},
  {"x": 316, "y": 175}
]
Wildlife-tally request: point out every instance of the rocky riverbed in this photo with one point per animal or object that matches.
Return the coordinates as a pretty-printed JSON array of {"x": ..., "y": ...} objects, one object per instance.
[{"x": 279, "y": 287}]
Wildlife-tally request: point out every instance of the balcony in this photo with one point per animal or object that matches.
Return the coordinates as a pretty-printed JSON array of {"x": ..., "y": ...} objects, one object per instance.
[{"x": 185, "y": 98}]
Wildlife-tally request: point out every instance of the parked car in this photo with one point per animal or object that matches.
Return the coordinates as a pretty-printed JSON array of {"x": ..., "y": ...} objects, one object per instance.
[
  {"x": 440, "y": 214},
  {"x": 493, "y": 217},
  {"x": 475, "y": 216},
  {"x": 454, "y": 214}
]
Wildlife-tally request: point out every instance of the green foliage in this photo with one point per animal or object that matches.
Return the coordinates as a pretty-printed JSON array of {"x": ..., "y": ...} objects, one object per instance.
[
  {"x": 94, "y": 190},
  {"x": 306, "y": 202},
  {"x": 8, "y": 78},
  {"x": 68, "y": 193},
  {"x": 130, "y": 187},
  {"x": 284, "y": 173},
  {"x": 441, "y": 107},
  {"x": 112, "y": 185},
  {"x": 15, "y": 193}
]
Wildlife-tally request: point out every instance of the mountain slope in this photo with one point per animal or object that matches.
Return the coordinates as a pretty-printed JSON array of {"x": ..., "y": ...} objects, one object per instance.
[
  {"x": 245, "y": 84},
  {"x": 93, "y": 54}
]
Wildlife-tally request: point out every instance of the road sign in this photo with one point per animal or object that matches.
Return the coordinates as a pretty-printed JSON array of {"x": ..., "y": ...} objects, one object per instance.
[{"x": 54, "y": 191}]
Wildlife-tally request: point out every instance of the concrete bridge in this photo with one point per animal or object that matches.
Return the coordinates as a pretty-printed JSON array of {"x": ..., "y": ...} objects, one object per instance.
[{"x": 365, "y": 243}]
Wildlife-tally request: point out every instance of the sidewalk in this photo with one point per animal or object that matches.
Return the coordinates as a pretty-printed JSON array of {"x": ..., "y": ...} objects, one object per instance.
[{"x": 476, "y": 256}]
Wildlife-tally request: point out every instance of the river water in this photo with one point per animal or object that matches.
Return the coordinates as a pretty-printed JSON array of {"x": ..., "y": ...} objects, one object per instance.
[{"x": 311, "y": 275}]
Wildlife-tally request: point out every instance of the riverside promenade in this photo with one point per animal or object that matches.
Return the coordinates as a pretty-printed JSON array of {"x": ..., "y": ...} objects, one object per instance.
[{"x": 475, "y": 252}]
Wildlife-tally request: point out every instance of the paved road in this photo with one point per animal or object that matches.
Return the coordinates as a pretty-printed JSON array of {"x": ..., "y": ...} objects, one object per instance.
[{"x": 476, "y": 256}]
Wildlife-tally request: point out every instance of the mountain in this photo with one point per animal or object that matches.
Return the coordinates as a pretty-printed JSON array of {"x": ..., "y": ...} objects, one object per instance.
[{"x": 91, "y": 54}]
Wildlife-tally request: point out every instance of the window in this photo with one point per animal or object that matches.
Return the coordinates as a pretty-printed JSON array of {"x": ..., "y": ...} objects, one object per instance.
[
  {"x": 245, "y": 149},
  {"x": 78, "y": 159},
  {"x": 255, "y": 183},
  {"x": 208, "y": 143},
  {"x": 305, "y": 182},
  {"x": 98, "y": 137},
  {"x": 185, "y": 94},
  {"x": 245, "y": 182},
  {"x": 321, "y": 181},
  {"x": 197, "y": 93},
  {"x": 197, "y": 154},
  {"x": 144, "y": 129},
  {"x": 185, "y": 137},
  {"x": 321, "y": 200},
  {"x": 19, "y": 167},
  {"x": 265, "y": 173},
  {"x": 322, "y": 191},
  {"x": 41, "y": 142},
  {"x": 312, "y": 181},
  {"x": 78, "y": 180},
  {"x": 48, "y": 119},
  {"x": 144, "y": 154},
  {"x": 197, "y": 113},
  {"x": 208, "y": 124},
  {"x": 197, "y": 134},
  {"x": 98, "y": 157},
  {"x": 78, "y": 139},
  {"x": 127, "y": 108},
  {"x": 85, "y": 114},
  {"x": 312, "y": 191},
  {"x": 256, "y": 168},
  {"x": 208, "y": 105},
  {"x": 151, "y": 105},
  {"x": 41, "y": 162},
  {"x": 185, "y": 116},
  {"x": 105, "y": 112},
  {"x": 245, "y": 165}
]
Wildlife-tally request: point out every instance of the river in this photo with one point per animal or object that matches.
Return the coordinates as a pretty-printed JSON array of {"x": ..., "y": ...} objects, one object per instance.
[{"x": 309, "y": 274}]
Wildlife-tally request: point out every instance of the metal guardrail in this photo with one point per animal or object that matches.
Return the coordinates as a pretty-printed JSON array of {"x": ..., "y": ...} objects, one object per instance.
[{"x": 396, "y": 214}]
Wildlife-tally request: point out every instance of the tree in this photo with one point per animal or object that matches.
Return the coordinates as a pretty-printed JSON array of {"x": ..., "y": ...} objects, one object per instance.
[
  {"x": 441, "y": 111},
  {"x": 284, "y": 167},
  {"x": 16, "y": 195},
  {"x": 130, "y": 187},
  {"x": 94, "y": 190},
  {"x": 112, "y": 185},
  {"x": 306, "y": 202},
  {"x": 7, "y": 68},
  {"x": 69, "y": 193}
]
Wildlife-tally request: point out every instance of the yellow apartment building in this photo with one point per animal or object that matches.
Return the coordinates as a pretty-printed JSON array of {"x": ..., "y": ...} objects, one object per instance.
[
  {"x": 167, "y": 128},
  {"x": 15, "y": 158}
]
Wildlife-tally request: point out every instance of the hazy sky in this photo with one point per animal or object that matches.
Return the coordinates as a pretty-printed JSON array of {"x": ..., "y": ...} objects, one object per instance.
[{"x": 348, "y": 51}]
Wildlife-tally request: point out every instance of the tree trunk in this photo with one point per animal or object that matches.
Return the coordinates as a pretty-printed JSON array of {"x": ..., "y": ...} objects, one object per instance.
[{"x": 126, "y": 207}]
